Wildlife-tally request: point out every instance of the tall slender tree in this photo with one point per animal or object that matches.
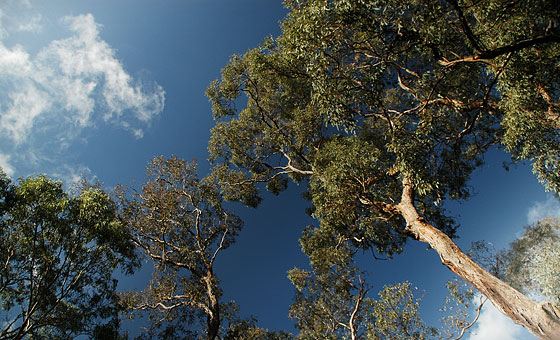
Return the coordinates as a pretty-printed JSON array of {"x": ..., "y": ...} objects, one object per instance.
[
  {"x": 385, "y": 108},
  {"x": 179, "y": 223}
]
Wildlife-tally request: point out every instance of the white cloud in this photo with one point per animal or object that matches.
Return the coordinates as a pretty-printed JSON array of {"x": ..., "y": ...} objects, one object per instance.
[
  {"x": 15, "y": 15},
  {"x": 74, "y": 78},
  {"x": 23, "y": 108},
  {"x": 48, "y": 98},
  {"x": 493, "y": 325},
  {"x": 5, "y": 164},
  {"x": 540, "y": 210},
  {"x": 33, "y": 24},
  {"x": 71, "y": 176}
]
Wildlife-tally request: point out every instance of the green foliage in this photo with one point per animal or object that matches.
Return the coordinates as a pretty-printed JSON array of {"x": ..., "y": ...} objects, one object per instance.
[
  {"x": 532, "y": 262},
  {"x": 362, "y": 99},
  {"x": 240, "y": 329},
  {"x": 327, "y": 296},
  {"x": 332, "y": 300},
  {"x": 58, "y": 254},
  {"x": 458, "y": 309},
  {"x": 396, "y": 315},
  {"x": 356, "y": 95},
  {"x": 180, "y": 224}
]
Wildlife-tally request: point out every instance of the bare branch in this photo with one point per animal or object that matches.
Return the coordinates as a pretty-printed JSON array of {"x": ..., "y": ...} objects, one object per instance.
[
  {"x": 478, "y": 309},
  {"x": 219, "y": 248}
]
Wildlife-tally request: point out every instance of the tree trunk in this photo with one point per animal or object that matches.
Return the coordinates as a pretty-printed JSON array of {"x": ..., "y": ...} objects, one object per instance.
[
  {"x": 212, "y": 318},
  {"x": 541, "y": 319}
]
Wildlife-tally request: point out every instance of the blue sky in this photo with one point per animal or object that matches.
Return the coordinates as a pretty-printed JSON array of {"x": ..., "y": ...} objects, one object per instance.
[{"x": 98, "y": 88}]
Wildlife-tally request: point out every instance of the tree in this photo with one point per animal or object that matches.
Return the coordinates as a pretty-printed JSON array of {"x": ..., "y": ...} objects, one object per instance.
[
  {"x": 384, "y": 109},
  {"x": 240, "y": 329},
  {"x": 58, "y": 253},
  {"x": 531, "y": 263},
  {"x": 333, "y": 302},
  {"x": 178, "y": 221}
]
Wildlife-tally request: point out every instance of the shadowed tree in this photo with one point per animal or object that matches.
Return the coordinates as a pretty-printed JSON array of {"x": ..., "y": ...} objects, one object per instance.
[
  {"x": 58, "y": 253},
  {"x": 384, "y": 109}
]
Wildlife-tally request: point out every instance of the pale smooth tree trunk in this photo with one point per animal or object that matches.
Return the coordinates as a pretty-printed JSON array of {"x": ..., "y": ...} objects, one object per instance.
[
  {"x": 213, "y": 317},
  {"x": 541, "y": 319}
]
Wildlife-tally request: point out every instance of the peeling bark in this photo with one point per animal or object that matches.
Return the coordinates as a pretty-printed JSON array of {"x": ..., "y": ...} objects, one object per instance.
[{"x": 541, "y": 319}]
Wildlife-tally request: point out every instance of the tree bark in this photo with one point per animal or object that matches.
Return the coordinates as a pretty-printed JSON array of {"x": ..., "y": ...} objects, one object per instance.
[
  {"x": 212, "y": 318},
  {"x": 541, "y": 319}
]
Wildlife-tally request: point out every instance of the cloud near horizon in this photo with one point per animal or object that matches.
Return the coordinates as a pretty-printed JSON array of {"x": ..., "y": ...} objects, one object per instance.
[
  {"x": 5, "y": 164},
  {"x": 70, "y": 85}
]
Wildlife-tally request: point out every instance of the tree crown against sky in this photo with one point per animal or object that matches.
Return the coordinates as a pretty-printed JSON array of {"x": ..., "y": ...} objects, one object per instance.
[
  {"x": 139, "y": 33},
  {"x": 58, "y": 254},
  {"x": 179, "y": 223},
  {"x": 531, "y": 263},
  {"x": 385, "y": 109}
]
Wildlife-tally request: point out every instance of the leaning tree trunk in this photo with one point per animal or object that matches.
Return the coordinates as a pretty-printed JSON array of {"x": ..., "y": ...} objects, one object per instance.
[{"x": 541, "y": 319}]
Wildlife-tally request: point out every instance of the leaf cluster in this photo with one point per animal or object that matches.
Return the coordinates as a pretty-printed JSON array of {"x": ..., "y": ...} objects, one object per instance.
[{"x": 58, "y": 255}]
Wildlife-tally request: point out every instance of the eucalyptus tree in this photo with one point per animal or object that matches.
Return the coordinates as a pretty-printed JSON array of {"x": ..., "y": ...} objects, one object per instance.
[
  {"x": 178, "y": 221},
  {"x": 331, "y": 300},
  {"x": 385, "y": 108},
  {"x": 58, "y": 253},
  {"x": 531, "y": 263},
  {"x": 334, "y": 299}
]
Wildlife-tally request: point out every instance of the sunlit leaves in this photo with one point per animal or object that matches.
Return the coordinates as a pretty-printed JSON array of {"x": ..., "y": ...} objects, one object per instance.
[
  {"x": 59, "y": 253},
  {"x": 334, "y": 301},
  {"x": 533, "y": 260},
  {"x": 180, "y": 224}
]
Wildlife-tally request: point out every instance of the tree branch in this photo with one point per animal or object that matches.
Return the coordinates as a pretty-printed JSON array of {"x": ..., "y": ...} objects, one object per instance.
[
  {"x": 543, "y": 39},
  {"x": 219, "y": 248},
  {"x": 477, "y": 45},
  {"x": 506, "y": 299},
  {"x": 478, "y": 309}
]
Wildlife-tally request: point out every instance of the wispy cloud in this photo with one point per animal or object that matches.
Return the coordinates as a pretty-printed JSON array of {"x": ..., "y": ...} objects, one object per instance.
[
  {"x": 5, "y": 164},
  {"x": 70, "y": 81},
  {"x": 71, "y": 176},
  {"x": 70, "y": 85},
  {"x": 540, "y": 210},
  {"x": 15, "y": 16},
  {"x": 33, "y": 24},
  {"x": 493, "y": 325}
]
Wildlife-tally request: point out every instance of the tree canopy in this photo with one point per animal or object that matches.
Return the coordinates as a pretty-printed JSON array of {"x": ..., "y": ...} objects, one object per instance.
[
  {"x": 385, "y": 108},
  {"x": 531, "y": 263},
  {"x": 58, "y": 253},
  {"x": 334, "y": 300},
  {"x": 180, "y": 224},
  {"x": 382, "y": 110}
]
